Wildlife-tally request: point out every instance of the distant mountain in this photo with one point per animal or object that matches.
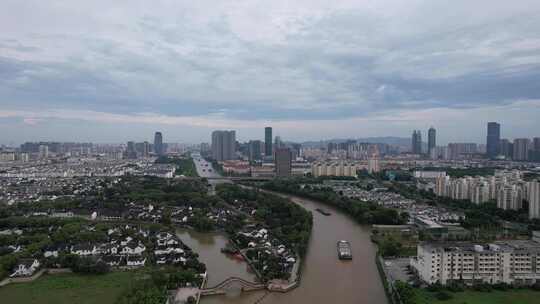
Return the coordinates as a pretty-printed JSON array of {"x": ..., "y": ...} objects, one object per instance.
[{"x": 390, "y": 140}]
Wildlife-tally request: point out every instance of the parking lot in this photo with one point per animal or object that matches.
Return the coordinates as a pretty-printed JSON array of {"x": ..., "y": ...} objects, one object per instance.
[{"x": 397, "y": 269}]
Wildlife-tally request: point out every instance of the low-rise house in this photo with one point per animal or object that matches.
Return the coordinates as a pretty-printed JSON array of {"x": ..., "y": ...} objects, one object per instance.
[
  {"x": 112, "y": 260},
  {"x": 168, "y": 250},
  {"x": 109, "y": 215},
  {"x": 84, "y": 249},
  {"x": 126, "y": 241},
  {"x": 25, "y": 268},
  {"x": 62, "y": 214},
  {"x": 136, "y": 261},
  {"x": 52, "y": 252},
  {"x": 161, "y": 260},
  {"x": 109, "y": 249},
  {"x": 177, "y": 258},
  {"x": 166, "y": 239},
  {"x": 133, "y": 249}
]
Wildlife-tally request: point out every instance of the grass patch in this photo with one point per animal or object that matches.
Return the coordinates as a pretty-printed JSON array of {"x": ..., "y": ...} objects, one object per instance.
[
  {"x": 515, "y": 296},
  {"x": 68, "y": 289}
]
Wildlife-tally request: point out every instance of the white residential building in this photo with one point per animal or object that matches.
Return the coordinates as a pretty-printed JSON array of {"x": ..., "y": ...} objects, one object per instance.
[
  {"x": 373, "y": 165},
  {"x": 429, "y": 174},
  {"x": 506, "y": 187},
  {"x": 511, "y": 262},
  {"x": 510, "y": 198},
  {"x": 336, "y": 168}
]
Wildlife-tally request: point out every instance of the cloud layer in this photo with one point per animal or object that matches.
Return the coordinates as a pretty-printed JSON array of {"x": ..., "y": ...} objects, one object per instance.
[{"x": 243, "y": 64}]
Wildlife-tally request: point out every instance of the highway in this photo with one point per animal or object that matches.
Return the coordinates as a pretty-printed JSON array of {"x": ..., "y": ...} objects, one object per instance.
[{"x": 204, "y": 168}]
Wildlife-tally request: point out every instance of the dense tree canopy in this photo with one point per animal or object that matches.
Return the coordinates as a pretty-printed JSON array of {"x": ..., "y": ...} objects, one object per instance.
[{"x": 363, "y": 212}]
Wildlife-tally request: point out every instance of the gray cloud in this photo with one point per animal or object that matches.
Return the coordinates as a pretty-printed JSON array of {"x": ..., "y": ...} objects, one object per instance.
[{"x": 278, "y": 61}]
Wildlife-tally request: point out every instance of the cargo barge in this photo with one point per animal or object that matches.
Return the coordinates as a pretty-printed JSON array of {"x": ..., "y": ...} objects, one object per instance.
[{"x": 344, "y": 250}]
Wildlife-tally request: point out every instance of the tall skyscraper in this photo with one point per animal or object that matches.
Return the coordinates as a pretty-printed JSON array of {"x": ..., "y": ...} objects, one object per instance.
[
  {"x": 431, "y": 140},
  {"x": 158, "y": 143},
  {"x": 521, "y": 148},
  {"x": 493, "y": 139},
  {"x": 283, "y": 162},
  {"x": 268, "y": 141},
  {"x": 223, "y": 145},
  {"x": 533, "y": 190},
  {"x": 416, "y": 143}
]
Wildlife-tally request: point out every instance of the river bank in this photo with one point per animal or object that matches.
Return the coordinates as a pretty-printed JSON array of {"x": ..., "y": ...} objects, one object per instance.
[{"x": 325, "y": 279}]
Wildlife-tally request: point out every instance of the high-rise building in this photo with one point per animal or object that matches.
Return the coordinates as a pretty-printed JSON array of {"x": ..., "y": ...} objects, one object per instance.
[
  {"x": 43, "y": 151},
  {"x": 254, "y": 150},
  {"x": 373, "y": 165},
  {"x": 461, "y": 150},
  {"x": 283, "y": 162},
  {"x": 533, "y": 196},
  {"x": 142, "y": 149},
  {"x": 416, "y": 143},
  {"x": 331, "y": 147},
  {"x": 223, "y": 145},
  {"x": 521, "y": 149},
  {"x": 432, "y": 133},
  {"x": 334, "y": 168},
  {"x": 277, "y": 142},
  {"x": 510, "y": 198},
  {"x": 506, "y": 148},
  {"x": 158, "y": 143},
  {"x": 536, "y": 144},
  {"x": 268, "y": 141},
  {"x": 493, "y": 139},
  {"x": 535, "y": 150},
  {"x": 131, "y": 153}
]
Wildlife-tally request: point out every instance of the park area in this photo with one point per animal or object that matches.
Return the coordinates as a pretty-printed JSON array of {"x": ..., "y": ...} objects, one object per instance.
[
  {"x": 516, "y": 296},
  {"x": 69, "y": 289}
]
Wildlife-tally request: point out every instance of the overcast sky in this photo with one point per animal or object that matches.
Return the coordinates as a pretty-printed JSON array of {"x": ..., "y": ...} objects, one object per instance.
[{"x": 112, "y": 71}]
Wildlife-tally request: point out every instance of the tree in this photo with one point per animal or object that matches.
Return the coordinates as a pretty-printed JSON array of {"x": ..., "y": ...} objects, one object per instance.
[
  {"x": 389, "y": 247},
  {"x": 405, "y": 291}
]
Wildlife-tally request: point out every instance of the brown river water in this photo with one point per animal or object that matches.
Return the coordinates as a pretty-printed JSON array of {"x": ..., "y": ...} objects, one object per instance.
[{"x": 325, "y": 279}]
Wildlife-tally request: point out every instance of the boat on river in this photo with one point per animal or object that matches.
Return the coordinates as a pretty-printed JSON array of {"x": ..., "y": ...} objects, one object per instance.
[
  {"x": 344, "y": 250},
  {"x": 323, "y": 212}
]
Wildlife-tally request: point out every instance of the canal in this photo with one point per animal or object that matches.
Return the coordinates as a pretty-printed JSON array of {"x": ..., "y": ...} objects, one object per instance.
[
  {"x": 325, "y": 279},
  {"x": 220, "y": 266}
]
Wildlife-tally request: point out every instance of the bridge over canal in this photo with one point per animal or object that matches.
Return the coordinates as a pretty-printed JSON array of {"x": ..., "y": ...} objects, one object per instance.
[{"x": 232, "y": 283}]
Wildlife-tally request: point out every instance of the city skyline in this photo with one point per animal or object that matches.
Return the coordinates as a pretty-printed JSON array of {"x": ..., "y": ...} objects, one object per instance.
[
  {"x": 257, "y": 136},
  {"x": 384, "y": 68},
  {"x": 249, "y": 151}
]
